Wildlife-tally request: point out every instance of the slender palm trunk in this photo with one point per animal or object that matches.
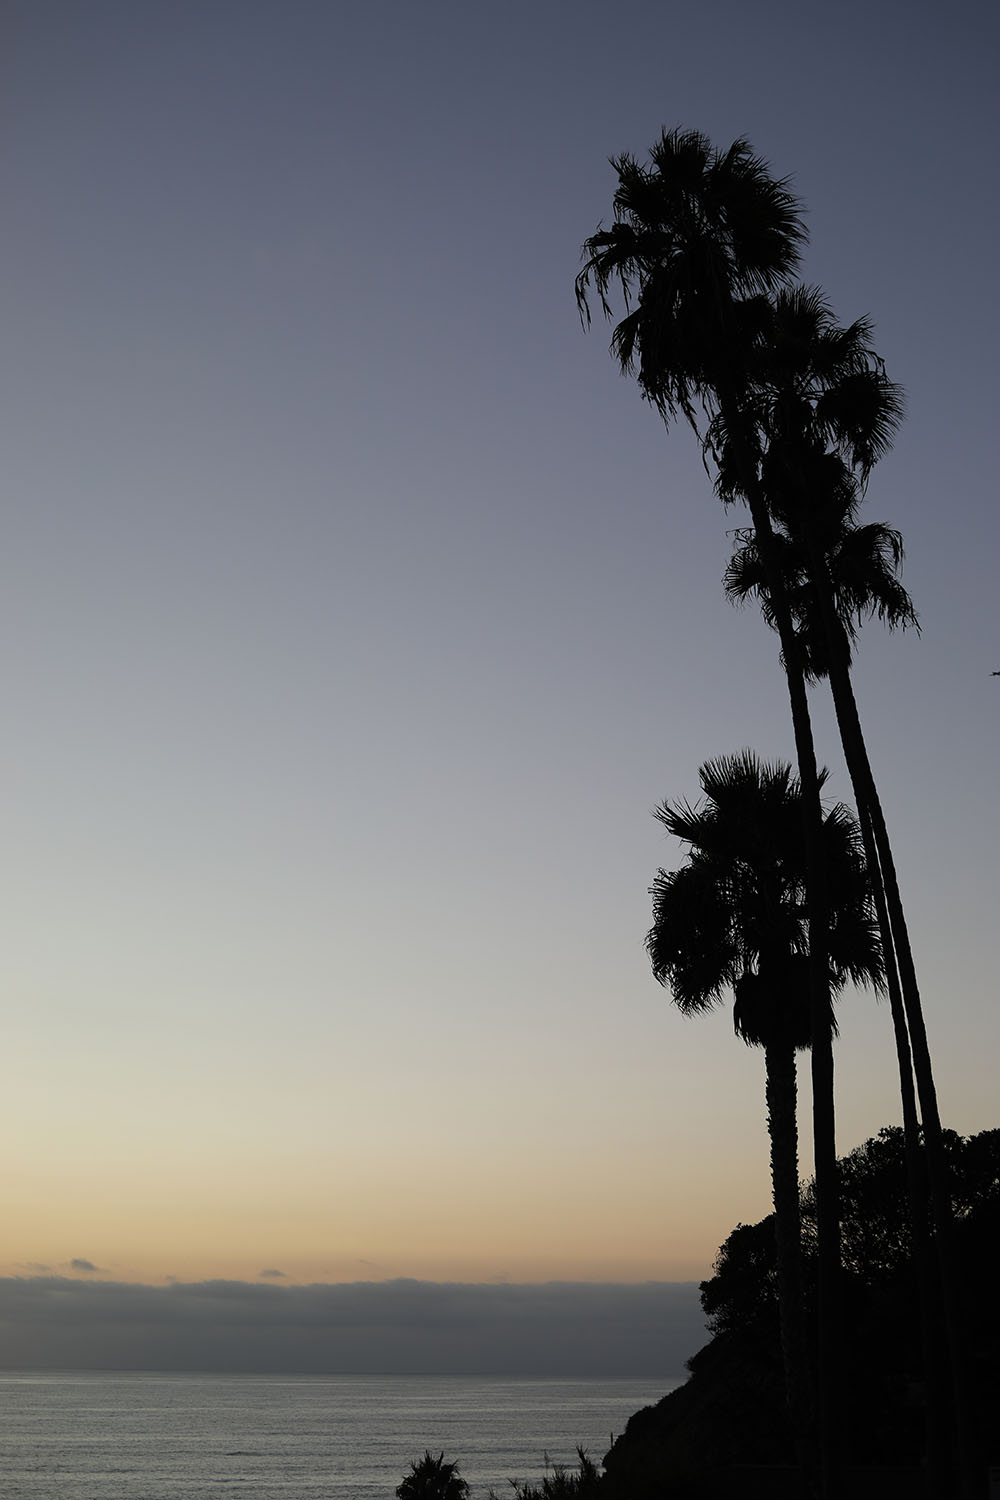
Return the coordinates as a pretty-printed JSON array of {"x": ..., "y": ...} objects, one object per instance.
[
  {"x": 915, "y": 1170},
  {"x": 911, "y": 1121},
  {"x": 824, "y": 1115},
  {"x": 782, "y": 1130},
  {"x": 928, "y": 1286},
  {"x": 870, "y": 812},
  {"x": 828, "y": 1381}
]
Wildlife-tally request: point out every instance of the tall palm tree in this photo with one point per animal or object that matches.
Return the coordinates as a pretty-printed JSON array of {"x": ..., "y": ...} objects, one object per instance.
[
  {"x": 860, "y": 566},
  {"x": 826, "y": 412},
  {"x": 734, "y": 919},
  {"x": 854, "y": 578},
  {"x": 700, "y": 241},
  {"x": 837, "y": 573}
]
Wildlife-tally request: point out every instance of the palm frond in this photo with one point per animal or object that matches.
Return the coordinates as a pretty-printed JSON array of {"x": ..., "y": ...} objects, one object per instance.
[
  {"x": 860, "y": 414},
  {"x": 690, "y": 944},
  {"x": 863, "y": 571}
]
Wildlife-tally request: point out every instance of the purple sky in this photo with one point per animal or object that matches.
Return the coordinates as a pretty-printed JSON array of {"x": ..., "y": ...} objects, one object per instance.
[{"x": 356, "y": 613}]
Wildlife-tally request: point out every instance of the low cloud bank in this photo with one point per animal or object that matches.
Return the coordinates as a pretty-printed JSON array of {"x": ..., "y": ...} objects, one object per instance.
[{"x": 386, "y": 1327}]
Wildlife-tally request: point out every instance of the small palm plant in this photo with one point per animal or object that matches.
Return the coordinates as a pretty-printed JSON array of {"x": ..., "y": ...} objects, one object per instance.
[{"x": 431, "y": 1478}]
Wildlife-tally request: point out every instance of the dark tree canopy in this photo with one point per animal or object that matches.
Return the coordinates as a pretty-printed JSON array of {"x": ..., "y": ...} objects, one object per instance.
[{"x": 876, "y": 1240}]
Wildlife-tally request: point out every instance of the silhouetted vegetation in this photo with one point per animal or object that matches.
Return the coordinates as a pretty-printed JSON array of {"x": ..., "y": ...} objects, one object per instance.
[
  {"x": 561, "y": 1484},
  {"x": 793, "y": 410},
  {"x": 731, "y": 1413},
  {"x": 702, "y": 241},
  {"x": 726, "y": 1431},
  {"x": 432, "y": 1478},
  {"x": 894, "y": 1249},
  {"x": 734, "y": 918}
]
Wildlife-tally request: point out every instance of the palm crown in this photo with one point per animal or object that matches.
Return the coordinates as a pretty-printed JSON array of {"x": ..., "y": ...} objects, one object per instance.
[
  {"x": 861, "y": 566},
  {"x": 820, "y": 412},
  {"x": 812, "y": 387},
  {"x": 735, "y": 917},
  {"x": 700, "y": 238}
]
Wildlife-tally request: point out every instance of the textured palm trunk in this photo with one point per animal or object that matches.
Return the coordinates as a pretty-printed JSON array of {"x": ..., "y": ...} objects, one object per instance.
[
  {"x": 828, "y": 1365},
  {"x": 904, "y": 1059},
  {"x": 783, "y": 1135},
  {"x": 933, "y": 1171},
  {"x": 824, "y": 1115}
]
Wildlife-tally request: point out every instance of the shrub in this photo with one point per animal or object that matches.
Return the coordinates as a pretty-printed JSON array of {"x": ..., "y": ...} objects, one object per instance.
[{"x": 561, "y": 1484}]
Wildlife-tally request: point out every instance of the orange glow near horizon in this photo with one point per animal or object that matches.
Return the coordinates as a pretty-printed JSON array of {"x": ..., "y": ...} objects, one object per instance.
[{"x": 451, "y": 1218}]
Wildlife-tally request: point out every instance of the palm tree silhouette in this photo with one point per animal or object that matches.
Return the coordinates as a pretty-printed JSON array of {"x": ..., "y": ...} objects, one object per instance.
[
  {"x": 860, "y": 565},
  {"x": 700, "y": 241},
  {"x": 826, "y": 412},
  {"x": 734, "y": 919},
  {"x": 431, "y": 1478}
]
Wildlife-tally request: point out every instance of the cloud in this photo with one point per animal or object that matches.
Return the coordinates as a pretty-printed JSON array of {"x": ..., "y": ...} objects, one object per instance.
[
  {"x": 391, "y": 1327},
  {"x": 272, "y": 1272},
  {"x": 79, "y": 1264}
]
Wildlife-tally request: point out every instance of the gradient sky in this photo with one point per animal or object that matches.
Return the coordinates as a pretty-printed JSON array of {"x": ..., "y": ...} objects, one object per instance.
[{"x": 356, "y": 613}]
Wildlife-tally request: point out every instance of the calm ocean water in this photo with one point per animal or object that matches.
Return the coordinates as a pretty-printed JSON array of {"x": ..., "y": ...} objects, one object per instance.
[{"x": 79, "y": 1436}]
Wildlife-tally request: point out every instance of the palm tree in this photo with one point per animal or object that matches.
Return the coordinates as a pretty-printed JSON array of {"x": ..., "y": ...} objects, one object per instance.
[
  {"x": 431, "y": 1478},
  {"x": 827, "y": 412},
  {"x": 858, "y": 580},
  {"x": 860, "y": 564},
  {"x": 700, "y": 241},
  {"x": 734, "y": 919}
]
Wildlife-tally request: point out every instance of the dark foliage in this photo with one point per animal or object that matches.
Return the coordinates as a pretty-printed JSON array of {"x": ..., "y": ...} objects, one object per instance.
[
  {"x": 875, "y": 1230},
  {"x": 562, "y": 1484},
  {"x": 700, "y": 238},
  {"x": 730, "y": 1412},
  {"x": 737, "y": 909},
  {"x": 431, "y": 1478}
]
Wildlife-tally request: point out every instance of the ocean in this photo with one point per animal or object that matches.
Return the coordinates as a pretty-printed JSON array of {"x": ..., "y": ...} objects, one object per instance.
[{"x": 83, "y": 1436}]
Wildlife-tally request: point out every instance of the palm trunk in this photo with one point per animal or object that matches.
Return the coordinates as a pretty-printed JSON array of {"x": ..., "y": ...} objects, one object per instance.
[
  {"x": 936, "y": 1172},
  {"x": 824, "y": 1117},
  {"x": 782, "y": 1131},
  {"x": 915, "y": 1170},
  {"x": 904, "y": 1060},
  {"x": 928, "y": 1287}
]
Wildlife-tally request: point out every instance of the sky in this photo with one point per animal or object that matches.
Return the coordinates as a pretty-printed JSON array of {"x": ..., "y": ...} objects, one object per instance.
[{"x": 356, "y": 613}]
